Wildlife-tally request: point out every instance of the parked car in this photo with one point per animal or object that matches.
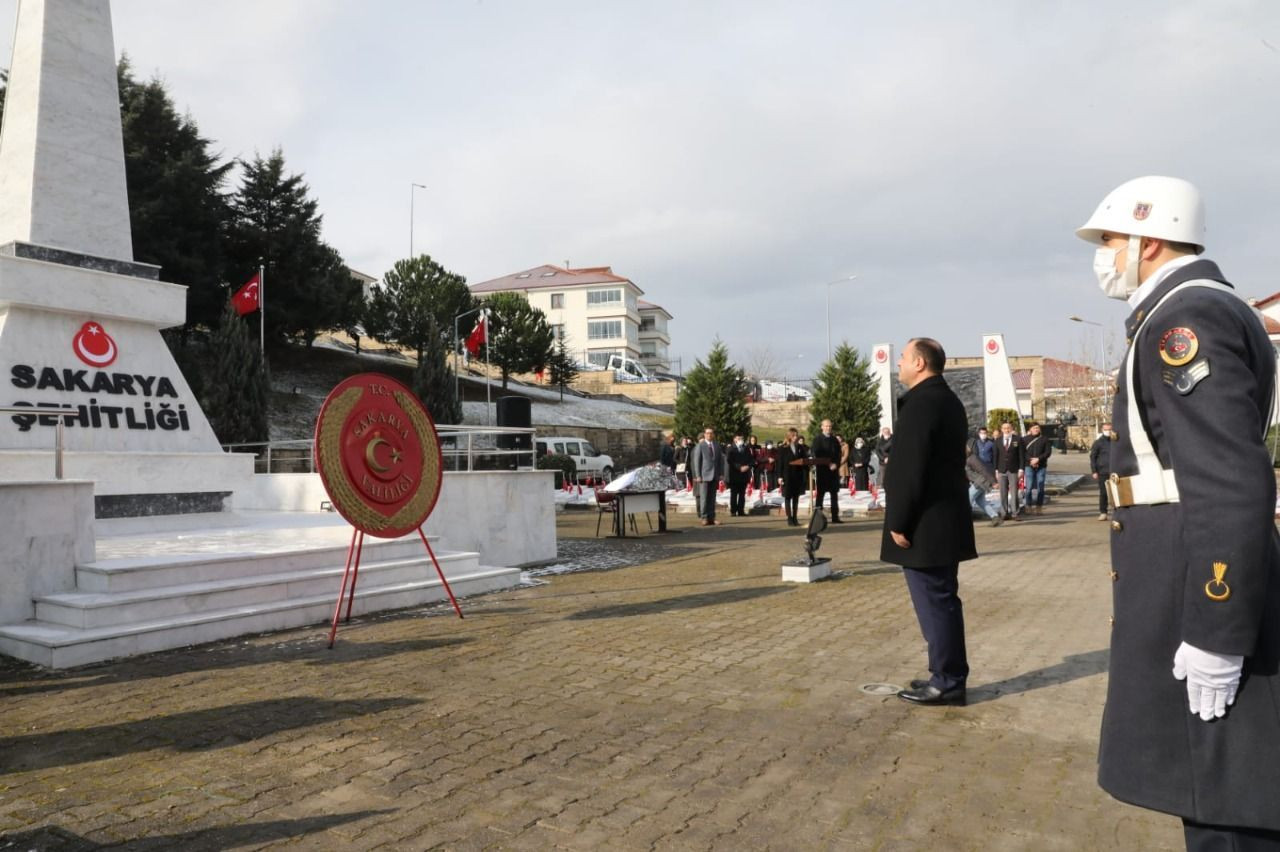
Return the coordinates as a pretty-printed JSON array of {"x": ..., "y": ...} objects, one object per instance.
[{"x": 591, "y": 462}]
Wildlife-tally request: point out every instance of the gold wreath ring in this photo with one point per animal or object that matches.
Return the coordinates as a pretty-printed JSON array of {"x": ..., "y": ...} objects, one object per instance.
[{"x": 1221, "y": 596}]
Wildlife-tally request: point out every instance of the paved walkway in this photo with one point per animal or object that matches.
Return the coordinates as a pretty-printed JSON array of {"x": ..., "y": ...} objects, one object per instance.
[{"x": 692, "y": 702}]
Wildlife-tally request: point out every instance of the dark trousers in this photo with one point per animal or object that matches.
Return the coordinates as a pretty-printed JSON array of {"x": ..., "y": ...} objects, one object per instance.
[
  {"x": 707, "y": 491},
  {"x": 935, "y": 596},
  {"x": 791, "y": 502},
  {"x": 1217, "y": 838},
  {"x": 738, "y": 499},
  {"x": 834, "y": 491},
  {"x": 860, "y": 478},
  {"x": 1102, "y": 494}
]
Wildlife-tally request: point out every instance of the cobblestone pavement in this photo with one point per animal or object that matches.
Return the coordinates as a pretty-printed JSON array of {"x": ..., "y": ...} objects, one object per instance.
[{"x": 689, "y": 703}]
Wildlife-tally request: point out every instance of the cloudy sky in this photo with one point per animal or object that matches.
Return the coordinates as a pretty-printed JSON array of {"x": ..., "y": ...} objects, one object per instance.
[{"x": 732, "y": 157}]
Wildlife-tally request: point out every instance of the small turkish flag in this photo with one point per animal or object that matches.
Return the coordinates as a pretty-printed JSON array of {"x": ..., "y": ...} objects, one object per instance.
[
  {"x": 478, "y": 335},
  {"x": 246, "y": 300}
]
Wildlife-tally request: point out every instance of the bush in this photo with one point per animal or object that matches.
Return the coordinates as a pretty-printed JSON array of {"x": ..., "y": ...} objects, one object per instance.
[
  {"x": 1001, "y": 415},
  {"x": 564, "y": 466}
]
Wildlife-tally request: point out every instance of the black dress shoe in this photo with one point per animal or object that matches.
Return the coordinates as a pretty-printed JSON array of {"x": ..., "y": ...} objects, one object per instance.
[
  {"x": 919, "y": 684},
  {"x": 931, "y": 695},
  {"x": 836, "y": 521}
]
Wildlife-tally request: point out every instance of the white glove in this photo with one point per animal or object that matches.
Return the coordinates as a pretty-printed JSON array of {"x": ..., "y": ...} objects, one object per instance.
[{"x": 1212, "y": 679}]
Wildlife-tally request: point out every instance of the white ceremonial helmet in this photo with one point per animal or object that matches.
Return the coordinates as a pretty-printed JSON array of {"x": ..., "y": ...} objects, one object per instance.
[{"x": 1165, "y": 208}]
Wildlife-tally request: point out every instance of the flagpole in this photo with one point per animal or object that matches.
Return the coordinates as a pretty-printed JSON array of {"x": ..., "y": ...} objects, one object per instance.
[
  {"x": 262, "y": 313},
  {"x": 488, "y": 372}
]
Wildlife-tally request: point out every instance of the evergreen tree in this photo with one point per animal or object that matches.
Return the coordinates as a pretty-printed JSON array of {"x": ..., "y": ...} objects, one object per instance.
[
  {"x": 433, "y": 380},
  {"x": 178, "y": 208},
  {"x": 520, "y": 341},
  {"x": 714, "y": 394},
  {"x": 562, "y": 367},
  {"x": 845, "y": 393},
  {"x": 416, "y": 295},
  {"x": 237, "y": 401},
  {"x": 274, "y": 220}
]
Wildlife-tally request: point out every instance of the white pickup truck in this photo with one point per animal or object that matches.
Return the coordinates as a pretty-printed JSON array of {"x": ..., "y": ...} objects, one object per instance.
[{"x": 590, "y": 461}]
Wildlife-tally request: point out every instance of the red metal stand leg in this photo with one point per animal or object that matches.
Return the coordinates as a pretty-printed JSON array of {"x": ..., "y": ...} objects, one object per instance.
[
  {"x": 436, "y": 562},
  {"x": 346, "y": 572},
  {"x": 355, "y": 575}
]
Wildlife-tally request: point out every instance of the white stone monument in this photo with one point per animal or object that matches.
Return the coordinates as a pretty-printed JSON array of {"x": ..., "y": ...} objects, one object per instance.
[
  {"x": 997, "y": 377},
  {"x": 80, "y": 321},
  {"x": 882, "y": 372}
]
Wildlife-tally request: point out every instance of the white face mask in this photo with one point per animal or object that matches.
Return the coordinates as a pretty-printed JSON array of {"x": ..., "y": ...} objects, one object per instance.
[{"x": 1115, "y": 285}]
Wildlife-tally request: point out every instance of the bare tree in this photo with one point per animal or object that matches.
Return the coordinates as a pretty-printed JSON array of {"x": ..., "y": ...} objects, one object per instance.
[{"x": 762, "y": 363}]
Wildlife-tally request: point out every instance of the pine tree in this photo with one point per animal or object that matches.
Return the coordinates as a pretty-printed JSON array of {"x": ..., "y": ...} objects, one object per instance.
[
  {"x": 562, "y": 367},
  {"x": 520, "y": 341},
  {"x": 414, "y": 291},
  {"x": 237, "y": 401},
  {"x": 274, "y": 220},
  {"x": 845, "y": 393},
  {"x": 433, "y": 380},
  {"x": 714, "y": 394}
]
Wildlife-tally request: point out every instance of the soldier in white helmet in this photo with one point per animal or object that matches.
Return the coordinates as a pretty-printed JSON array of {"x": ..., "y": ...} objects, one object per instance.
[{"x": 1192, "y": 720}]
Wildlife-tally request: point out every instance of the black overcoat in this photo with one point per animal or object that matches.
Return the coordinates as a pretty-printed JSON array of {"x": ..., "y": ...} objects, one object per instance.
[
  {"x": 737, "y": 457},
  {"x": 926, "y": 490},
  {"x": 795, "y": 477},
  {"x": 1206, "y": 417},
  {"x": 827, "y": 448}
]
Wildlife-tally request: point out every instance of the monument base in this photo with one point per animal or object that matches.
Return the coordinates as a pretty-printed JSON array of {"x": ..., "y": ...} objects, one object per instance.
[
  {"x": 133, "y": 473},
  {"x": 801, "y": 571}
]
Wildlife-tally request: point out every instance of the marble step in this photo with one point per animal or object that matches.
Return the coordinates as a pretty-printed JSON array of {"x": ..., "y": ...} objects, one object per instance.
[
  {"x": 61, "y": 646},
  {"x": 86, "y": 609},
  {"x": 132, "y": 573}
]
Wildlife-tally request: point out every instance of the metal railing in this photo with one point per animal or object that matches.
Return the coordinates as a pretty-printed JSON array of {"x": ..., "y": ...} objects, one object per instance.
[
  {"x": 59, "y": 438},
  {"x": 464, "y": 448}
]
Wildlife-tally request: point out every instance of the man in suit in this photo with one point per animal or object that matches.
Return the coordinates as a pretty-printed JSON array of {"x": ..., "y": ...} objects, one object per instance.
[
  {"x": 826, "y": 451},
  {"x": 1100, "y": 465},
  {"x": 1011, "y": 458},
  {"x": 707, "y": 462},
  {"x": 741, "y": 462},
  {"x": 1192, "y": 720},
  {"x": 793, "y": 466},
  {"x": 927, "y": 525}
]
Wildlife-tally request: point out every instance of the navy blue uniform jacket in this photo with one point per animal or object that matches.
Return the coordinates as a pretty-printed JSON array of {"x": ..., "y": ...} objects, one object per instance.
[{"x": 1203, "y": 378}]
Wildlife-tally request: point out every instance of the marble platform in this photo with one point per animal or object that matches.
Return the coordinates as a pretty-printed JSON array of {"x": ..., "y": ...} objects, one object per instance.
[{"x": 167, "y": 583}]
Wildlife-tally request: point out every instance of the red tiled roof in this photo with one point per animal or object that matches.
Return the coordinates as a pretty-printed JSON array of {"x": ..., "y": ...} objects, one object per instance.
[
  {"x": 1273, "y": 327},
  {"x": 1022, "y": 379},
  {"x": 1262, "y": 303},
  {"x": 541, "y": 277},
  {"x": 1067, "y": 374}
]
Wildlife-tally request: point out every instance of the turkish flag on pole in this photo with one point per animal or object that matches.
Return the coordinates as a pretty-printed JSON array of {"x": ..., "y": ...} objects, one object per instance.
[
  {"x": 246, "y": 300},
  {"x": 478, "y": 335}
]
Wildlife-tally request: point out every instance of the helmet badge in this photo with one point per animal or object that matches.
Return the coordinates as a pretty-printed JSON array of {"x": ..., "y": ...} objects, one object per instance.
[{"x": 1141, "y": 210}]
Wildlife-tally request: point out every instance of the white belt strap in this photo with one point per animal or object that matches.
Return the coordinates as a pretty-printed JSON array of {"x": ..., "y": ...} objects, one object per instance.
[{"x": 1153, "y": 483}]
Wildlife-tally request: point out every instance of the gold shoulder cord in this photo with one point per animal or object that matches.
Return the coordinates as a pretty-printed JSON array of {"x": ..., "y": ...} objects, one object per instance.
[{"x": 1217, "y": 589}]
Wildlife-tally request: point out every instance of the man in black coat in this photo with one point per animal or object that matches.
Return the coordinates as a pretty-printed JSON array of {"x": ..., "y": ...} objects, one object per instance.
[
  {"x": 927, "y": 526},
  {"x": 793, "y": 469},
  {"x": 1192, "y": 721},
  {"x": 826, "y": 465},
  {"x": 1010, "y": 459},
  {"x": 1100, "y": 465},
  {"x": 742, "y": 462}
]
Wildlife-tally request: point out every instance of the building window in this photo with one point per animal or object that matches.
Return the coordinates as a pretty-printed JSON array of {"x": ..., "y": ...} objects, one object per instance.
[
  {"x": 648, "y": 323},
  {"x": 557, "y": 301},
  {"x": 523, "y": 275},
  {"x": 600, "y": 359},
  {"x": 648, "y": 349},
  {"x": 604, "y": 297},
  {"x": 558, "y": 330},
  {"x": 548, "y": 274},
  {"x": 604, "y": 330}
]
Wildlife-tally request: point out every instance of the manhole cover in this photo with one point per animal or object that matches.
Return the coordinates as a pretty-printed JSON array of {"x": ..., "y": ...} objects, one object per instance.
[{"x": 880, "y": 688}]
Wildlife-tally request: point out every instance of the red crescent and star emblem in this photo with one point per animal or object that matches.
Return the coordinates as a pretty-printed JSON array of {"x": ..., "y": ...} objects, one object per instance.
[
  {"x": 992, "y": 346},
  {"x": 881, "y": 356},
  {"x": 1179, "y": 346},
  {"x": 94, "y": 346}
]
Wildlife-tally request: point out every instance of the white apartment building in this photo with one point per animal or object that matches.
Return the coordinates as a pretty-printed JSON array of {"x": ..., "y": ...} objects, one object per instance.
[{"x": 597, "y": 314}]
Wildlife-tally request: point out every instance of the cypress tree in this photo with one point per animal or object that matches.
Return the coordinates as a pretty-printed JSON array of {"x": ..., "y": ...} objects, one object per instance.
[
  {"x": 845, "y": 394},
  {"x": 433, "y": 379},
  {"x": 714, "y": 394},
  {"x": 562, "y": 367},
  {"x": 237, "y": 401}
]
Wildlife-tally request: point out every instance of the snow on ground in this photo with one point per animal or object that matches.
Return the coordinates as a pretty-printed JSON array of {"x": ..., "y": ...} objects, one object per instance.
[{"x": 546, "y": 409}]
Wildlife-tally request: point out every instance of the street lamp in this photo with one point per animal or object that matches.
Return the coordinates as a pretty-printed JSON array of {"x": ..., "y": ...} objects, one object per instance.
[
  {"x": 1102, "y": 360},
  {"x": 828, "y": 285},
  {"x": 412, "y": 187}
]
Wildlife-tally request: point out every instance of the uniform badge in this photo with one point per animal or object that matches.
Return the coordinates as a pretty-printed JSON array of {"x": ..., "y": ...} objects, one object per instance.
[
  {"x": 1217, "y": 589},
  {"x": 1184, "y": 381},
  {"x": 1142, "y": 210},
  {"x": 1179, "y": 346}
]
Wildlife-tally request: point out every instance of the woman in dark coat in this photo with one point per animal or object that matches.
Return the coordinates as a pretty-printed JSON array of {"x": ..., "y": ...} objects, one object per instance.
[{"x": 860, "y": 464}]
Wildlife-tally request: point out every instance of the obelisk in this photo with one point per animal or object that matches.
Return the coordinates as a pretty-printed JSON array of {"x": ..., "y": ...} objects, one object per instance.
[{"x": 79, "y": 319}]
